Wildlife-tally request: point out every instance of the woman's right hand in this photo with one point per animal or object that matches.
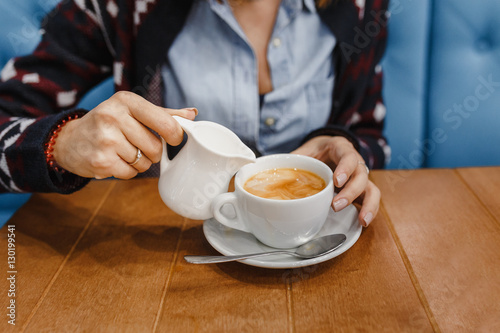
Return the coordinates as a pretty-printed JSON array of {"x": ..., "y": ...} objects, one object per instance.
[{"x": 104, "y": 142}]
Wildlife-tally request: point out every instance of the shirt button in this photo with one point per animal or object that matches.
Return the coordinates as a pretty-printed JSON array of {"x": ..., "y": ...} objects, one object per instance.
[
  {"x": 269, "y": 121},
  {"x": 276, "y": 42}
]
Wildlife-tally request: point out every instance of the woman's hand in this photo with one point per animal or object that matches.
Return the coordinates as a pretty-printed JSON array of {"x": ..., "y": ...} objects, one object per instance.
[
  {"x": 350, "y": 174},
  {"x": 104, "y": 142}
]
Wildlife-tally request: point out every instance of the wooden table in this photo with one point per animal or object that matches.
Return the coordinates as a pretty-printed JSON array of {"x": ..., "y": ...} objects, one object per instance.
[{"x": 109, "y": 258}]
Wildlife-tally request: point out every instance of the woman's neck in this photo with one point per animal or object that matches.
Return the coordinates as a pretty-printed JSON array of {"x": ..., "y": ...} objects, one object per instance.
[{"x": 257, "y": 19}]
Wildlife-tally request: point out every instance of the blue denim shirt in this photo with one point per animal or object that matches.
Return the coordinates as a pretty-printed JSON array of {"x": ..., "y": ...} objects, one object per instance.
[{"x": 212, "y": 66}]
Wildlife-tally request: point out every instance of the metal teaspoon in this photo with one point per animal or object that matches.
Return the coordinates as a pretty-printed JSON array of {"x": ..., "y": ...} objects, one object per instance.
[{"x": 312, "y": 249}]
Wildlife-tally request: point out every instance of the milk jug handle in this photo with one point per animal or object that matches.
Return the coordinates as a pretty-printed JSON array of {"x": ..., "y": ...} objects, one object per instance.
[
  {"x": 235, "y": 222},
  {"x": 165, "y": 161},
  {"x": 187, "y": 127}
]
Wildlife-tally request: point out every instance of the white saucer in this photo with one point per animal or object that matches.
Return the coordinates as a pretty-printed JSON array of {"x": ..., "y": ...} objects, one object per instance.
[{"x": 230, "y": 241}]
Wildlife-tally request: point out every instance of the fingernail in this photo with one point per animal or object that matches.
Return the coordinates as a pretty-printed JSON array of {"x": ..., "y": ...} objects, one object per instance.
[
  {"x": 368, "y": 218},
  {"x": 195, "y": 110},
  {"x": 341, "y": 179},
  {"x": 340, "y": 204}
]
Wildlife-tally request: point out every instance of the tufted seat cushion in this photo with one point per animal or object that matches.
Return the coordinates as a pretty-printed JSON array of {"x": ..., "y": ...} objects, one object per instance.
[
  {"x": 464, "y": 85},
  {"x": 442, "y": 83}
]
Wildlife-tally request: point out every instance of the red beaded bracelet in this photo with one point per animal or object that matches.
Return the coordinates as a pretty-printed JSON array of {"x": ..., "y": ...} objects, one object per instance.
[{"x": 49, "y": 146}]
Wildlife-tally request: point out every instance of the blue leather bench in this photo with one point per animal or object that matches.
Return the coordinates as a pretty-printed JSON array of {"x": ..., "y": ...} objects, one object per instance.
[
  {"x": 442, "y": 83},
  {"x": 442, "y": 80}
]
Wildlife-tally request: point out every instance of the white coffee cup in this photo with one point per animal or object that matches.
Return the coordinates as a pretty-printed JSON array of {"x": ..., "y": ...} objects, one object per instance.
[{"x": 277, "y": 223}]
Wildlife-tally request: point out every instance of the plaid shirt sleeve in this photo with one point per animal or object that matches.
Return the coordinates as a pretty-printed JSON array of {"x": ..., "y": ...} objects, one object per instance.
[{"x": 38, "y": 90}]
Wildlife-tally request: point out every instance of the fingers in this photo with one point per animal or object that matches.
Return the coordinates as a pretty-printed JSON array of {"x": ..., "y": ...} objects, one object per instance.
[
  {"x": 113, "y": 152},
  {"x": 118, "y": 164},
  {"x": 369, "y": 199},
  {"x": 370, "y": 205},
  {"x": 356, "y": 185},
  {"x": 350, "y": 174},
  {"x": 141, "y": 137},
  {"x": 104, "y": 164},
  {"x": 130, "y": 154},
  {"x": 104, "y": 142},
  {"x": 346, "y": 167},
  {"x": 132, "y": 115},
  {"x": 157, "y": 118}
]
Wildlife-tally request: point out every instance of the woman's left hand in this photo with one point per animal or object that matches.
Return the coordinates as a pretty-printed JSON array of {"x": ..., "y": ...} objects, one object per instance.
[{"x": 349, "y": 174}]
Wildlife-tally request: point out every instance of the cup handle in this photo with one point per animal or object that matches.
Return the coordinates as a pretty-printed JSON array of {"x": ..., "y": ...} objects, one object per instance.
[{"x": 231, "y": 199}]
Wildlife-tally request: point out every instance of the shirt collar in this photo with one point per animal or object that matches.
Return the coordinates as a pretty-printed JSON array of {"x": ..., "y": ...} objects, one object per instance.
[
  {"x": 291, "y": 5},
  {"x": 311, "y": 5}
]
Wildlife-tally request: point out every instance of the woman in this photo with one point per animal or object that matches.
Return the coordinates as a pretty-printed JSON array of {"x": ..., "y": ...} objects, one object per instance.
[{"x": 286, "y": 76}]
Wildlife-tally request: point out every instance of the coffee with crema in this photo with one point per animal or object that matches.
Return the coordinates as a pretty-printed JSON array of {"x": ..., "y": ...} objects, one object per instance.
[{"x": 284, "y": 184}]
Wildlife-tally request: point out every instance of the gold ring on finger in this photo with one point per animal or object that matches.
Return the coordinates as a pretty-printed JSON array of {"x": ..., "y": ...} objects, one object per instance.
[{"x": 137, "y": 157}]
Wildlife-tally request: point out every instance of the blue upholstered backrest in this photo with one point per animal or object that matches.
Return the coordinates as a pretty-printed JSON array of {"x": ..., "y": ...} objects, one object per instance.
[
  {"x": 442, "y": 83},
  {"x": 20, "y": 24},
  {"x": 405, "y": 79},
  {"x": 464, "y": 83}
]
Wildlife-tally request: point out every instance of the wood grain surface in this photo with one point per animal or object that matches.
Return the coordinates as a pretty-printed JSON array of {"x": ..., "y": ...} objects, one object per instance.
[
  {"x": 109, "y": 258},
  {"x": 46, "y": 230},
  {"x": 451, "y": 242}
]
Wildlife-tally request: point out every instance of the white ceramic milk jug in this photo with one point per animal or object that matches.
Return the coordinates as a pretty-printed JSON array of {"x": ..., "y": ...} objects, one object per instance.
[{"x": 202, "y": 169}]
